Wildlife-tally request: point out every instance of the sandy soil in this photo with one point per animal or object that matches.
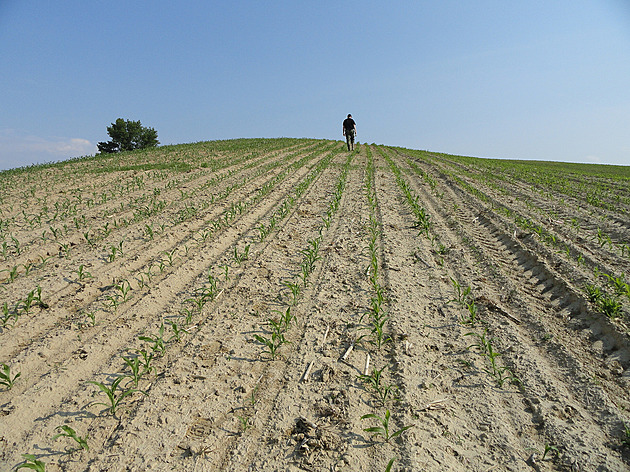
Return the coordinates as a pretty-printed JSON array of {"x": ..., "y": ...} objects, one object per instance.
[{"x": 190, "y": 254}]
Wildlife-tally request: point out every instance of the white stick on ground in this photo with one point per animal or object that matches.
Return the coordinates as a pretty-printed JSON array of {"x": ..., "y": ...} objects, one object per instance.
[
  {"x": 325, "y": 335},
  {"x": 345, "y": 356},
  {"x": 307, "y": 372},
  {"x": 367, "y": 364}
]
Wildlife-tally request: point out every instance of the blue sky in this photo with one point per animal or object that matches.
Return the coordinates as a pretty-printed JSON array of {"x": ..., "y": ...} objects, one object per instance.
[{"x": 533, "y": 79}]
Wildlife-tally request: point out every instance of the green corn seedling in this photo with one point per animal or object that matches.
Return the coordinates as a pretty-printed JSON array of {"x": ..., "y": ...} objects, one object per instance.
[
  {"x": 114, "y": 394},
  {"x": 134, "y": 366},
  {"x": 239, "y": 258},
  {"x": 31, "y": 462},
  {"x": 286, "y": 317},
  {"x": 88, "y": 239},
  {"x": 6, "y": 378},
  {"x": 112, "y": 255},
  {"x": 146, "y": 361},
  {"x": 610, "y": 306},
  {"x": 27, "y": 303},
  {"x": 244, "y": 422},
  {"x": 141, "y": 282},
  {"x": 170, "y": 256},
  {"x": 272, "y": 344},
  {"x": 13, "y": 273},
  {"x": 295, "y": 289},
  {"x": 124, "y": 288},
  {"x": 463, "y": 294},
  {"x": 625, "y": 438},
  {"x": 549, "y": 448},
  {"x": 482, "y": 343},
  {"x": 91, "y": 316},
  {"x": 68, "y": 432},
  {"x": 64, "y": 250},
  {"x": 177, "y": 331},
  {"x": 159, "y": 344},
  {"x": 593, "y": 293},
  {"x": 188, "y": 315},
  {"x": 149, "y": 232},
  {"x": 472, "y": 314},
  {"x": 114, "y": 301},
  {"x": 27, "y": 268},
  {"x": 377, "y": 330},
  {"x": 384, "y": 429},
  {"x": 618, "y": 283},
  {"x": 38, "y": 298},
  {"x": 16, "y": 245},
  {"x": 44, "y": 260},
  {"x": 383, "y": 391}
]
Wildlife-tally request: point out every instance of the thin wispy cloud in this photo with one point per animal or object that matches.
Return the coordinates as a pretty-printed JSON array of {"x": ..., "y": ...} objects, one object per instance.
[{"x": 25, "y": 149}]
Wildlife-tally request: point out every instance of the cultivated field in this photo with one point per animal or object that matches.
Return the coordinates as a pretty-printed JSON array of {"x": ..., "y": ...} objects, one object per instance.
[{"x": 285, "y": 305}]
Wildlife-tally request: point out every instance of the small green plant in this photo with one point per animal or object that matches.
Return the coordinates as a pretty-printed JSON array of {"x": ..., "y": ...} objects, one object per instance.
[
  {"x": 38, "y": 298},
  {"x": 272, "y": 344},
  {"x": 112, "y": 255},
  {"x": 31, "y": 462},
  {"x": 115, "y": 395},
  {"x": 146, "y": 361},
  {"x": 463, "y": 294},
  {"x": 28, "y": 268},
  {"x": 6, "y": 378},
  {"x": 141, "y": 282},
  {"x": 44, "y": 260},
  {"x": 177, "y": 331},
  {"x": 7, "y": 316},
  {"x": 390, "y": 464},
  {"x": 68, "y": 432},
  {"x": 87, "y": 237},
  {"x": 91, "y": 317},
  {"x": 625, "y": 438},
  {"x": 82, "y": 273},
  {"x": 124, "y": 288},
  {"x": 593, "y": 292},
  {"x": 295, "y": 289},
  {"x": 13, "y": 273},
  {"x": 549, "y": 448},
  {"x": 149, "y": 232},
  {"x": 383, "y": 391},
  {"x": 376, "y": 327},
  {"x": 285, "y": 318},
  {"x": 114, "y": 301},
  {"x": 481, "y": 341},
  {"x": 170, "y": 256},
  {"x": 610, "y": 306},
  {"x": 64, "y": 250},
  {"x": 159, "y": 344},
  {"x": 471, "y": 319},
  {"x": 384, "y": 429},
  {"x": 244, "y": 423},
  {"x": 252, "y": 398},
  {"x": 240, "y": 257},
  {"x": 133, "y": 362},
  {"x": 16, "y": 245},
  {"x": 501, "y": 374}
]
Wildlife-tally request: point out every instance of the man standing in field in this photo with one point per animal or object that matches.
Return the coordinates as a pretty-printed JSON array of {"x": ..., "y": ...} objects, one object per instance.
[{"x": 349, "y": 131}]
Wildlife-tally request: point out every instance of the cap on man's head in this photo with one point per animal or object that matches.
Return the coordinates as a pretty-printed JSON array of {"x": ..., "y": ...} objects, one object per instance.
[{"x": 349, "y": 115}]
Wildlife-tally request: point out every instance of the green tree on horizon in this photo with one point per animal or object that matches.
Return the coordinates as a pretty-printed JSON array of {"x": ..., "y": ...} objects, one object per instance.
[{"x": 128, "y": 135}]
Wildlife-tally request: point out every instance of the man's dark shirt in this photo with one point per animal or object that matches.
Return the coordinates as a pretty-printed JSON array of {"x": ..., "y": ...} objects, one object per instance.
[{"x": 348, "y": 124}]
